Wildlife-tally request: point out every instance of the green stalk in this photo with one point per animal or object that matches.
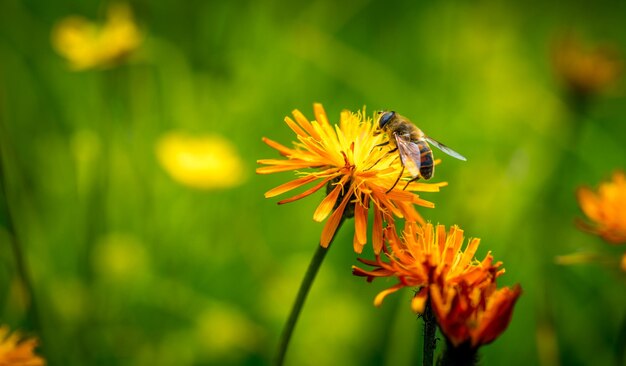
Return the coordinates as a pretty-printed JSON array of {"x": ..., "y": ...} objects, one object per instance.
[
  {"x": 20, "y": 261},
  {"x": 305, "y": 286},
  {"x": 430, "y": 329},
  {"x": 462, "y": 355}
]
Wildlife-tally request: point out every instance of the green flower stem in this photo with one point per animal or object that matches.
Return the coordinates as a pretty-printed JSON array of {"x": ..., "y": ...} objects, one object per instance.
[
  {"x": 463, "y": 355},
  {"x": 620, "y": 345},
  {"x": 305, "y": 286},
  {"x": 430, "y": 329},
  {"x": 20, "y": 262}
]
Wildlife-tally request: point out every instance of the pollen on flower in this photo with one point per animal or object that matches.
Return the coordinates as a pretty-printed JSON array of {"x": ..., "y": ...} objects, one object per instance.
[
  {"x": 88, "y": 45},
  {"x": 349, "y": 159},
  {"x": 16, "y": 350},
  {"x": 203, "y": 162}
]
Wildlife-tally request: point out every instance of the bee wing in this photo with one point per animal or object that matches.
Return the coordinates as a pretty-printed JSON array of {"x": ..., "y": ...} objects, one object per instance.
[
  {"x": 409, "y": 154},
  {"x": 445, "y": 149}
]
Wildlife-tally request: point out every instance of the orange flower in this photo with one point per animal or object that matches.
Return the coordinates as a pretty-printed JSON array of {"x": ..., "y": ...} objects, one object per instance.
[
  {"x": 357, "y": 171},
  {"x": 473, "y": 314},
  {"x": 584, "y": 70},
  {"x": 461, "y": 290},
  {"x": 425, "y": 257},
  {"x": 606, "y": 209},
  {"x": 17, "y": 351}
]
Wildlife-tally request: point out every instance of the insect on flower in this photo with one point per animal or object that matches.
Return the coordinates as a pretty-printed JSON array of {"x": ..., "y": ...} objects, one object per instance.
[
  {"x": 343, "y": 158},
  {"x": 412, "y": 146}
]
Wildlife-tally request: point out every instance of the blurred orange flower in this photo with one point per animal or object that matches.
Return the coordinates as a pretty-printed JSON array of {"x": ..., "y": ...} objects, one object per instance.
[
  {"x": 18, "y": 351},
  {"x": 357, "y": 172},
  {"x": 87, "y": 45},
  {"x": 584, "y": 70},
  {"x": 606, "y": 209},
  {"x": 425, "y": 257}
]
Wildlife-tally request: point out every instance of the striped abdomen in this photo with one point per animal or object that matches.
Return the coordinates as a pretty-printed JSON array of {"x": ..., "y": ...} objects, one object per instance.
[{"x": 427, "y": 166}]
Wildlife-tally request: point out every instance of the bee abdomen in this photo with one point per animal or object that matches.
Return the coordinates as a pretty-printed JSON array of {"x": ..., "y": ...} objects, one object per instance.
[{"x": 426, "y": 160}]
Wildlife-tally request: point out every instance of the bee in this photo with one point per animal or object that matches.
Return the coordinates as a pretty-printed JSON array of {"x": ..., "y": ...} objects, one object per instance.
[{"x": 412, "y": 146}]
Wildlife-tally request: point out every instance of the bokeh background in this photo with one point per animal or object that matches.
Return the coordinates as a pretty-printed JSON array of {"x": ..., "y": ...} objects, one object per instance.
[{"x": 116, "y": 250}]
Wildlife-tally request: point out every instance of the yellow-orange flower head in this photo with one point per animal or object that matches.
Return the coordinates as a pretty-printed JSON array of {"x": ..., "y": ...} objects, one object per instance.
[
  {"x": 606, "y": 209},
  {"x": 349, "y": 159},
  {"x": 14, "y": 350},
  {"x": 461, "y": 290},
  {"x": 426, "y": 256}
]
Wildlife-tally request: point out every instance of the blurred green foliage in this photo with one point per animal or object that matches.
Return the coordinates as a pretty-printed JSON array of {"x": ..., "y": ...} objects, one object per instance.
[{"x": 129, "y": 267}]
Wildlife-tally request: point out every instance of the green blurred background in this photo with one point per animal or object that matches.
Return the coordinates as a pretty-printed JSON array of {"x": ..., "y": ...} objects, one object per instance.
[{"x": 129, "y": 267}]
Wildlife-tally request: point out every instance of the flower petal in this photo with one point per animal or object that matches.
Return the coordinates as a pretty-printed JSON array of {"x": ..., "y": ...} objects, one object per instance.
[
  {"x": 331, "y": 225},
  {"x": 377, "y": 232},
  {"x": 306, "y": 193},
  {"x": 328, "y": 203},
  {"x": 418, "y": 302},
  {"x": 381, "y": 296},
  {"x": 289, "y": 186},
  {"x": 360, "y": 221}
]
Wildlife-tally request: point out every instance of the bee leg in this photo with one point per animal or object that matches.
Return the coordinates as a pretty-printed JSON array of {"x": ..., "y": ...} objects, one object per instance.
[
  {"x": 397, "y": 180},
  {"x": 382, "y": 144},
  {"x": 378, "y": 161},
  {"x": 411, "y": 181}
]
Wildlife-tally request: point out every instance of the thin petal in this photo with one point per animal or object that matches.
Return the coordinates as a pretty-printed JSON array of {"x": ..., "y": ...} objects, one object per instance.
[
  {"x": 331, "y": 225},
  {"x": 304, "y": 123},
  {"x": 295, "y": 128},
  {"x": 381, "y": 296},
  {"x": 320, "y": 114},
  {"x": 360, "y": 221},
  {"x": 469, "y": 252},
  {"x": 328, "y": 203},
  {"x": 377, "y": 231},
  {"x": 307, "y": 192},
  {"x": 282, "y": 149},
  {"x": 356, "y": 245},
  {"x": 425, "y": 187},
  {"x": 289, "y": 186},
  {"x": 277, "y": 169}
]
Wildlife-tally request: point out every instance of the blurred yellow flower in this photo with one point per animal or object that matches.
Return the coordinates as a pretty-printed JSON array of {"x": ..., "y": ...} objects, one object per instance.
[
  {"x": 87, "y": 45},
  {"x": 204, "y": 162},
  {"x": 17, "y": 351},
  {"x": 606, "y": 209},
  {"x": 346, "y": 159}
]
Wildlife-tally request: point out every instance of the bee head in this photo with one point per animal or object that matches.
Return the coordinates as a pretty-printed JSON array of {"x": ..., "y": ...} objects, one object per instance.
[{"x": 385, "y": 117}]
